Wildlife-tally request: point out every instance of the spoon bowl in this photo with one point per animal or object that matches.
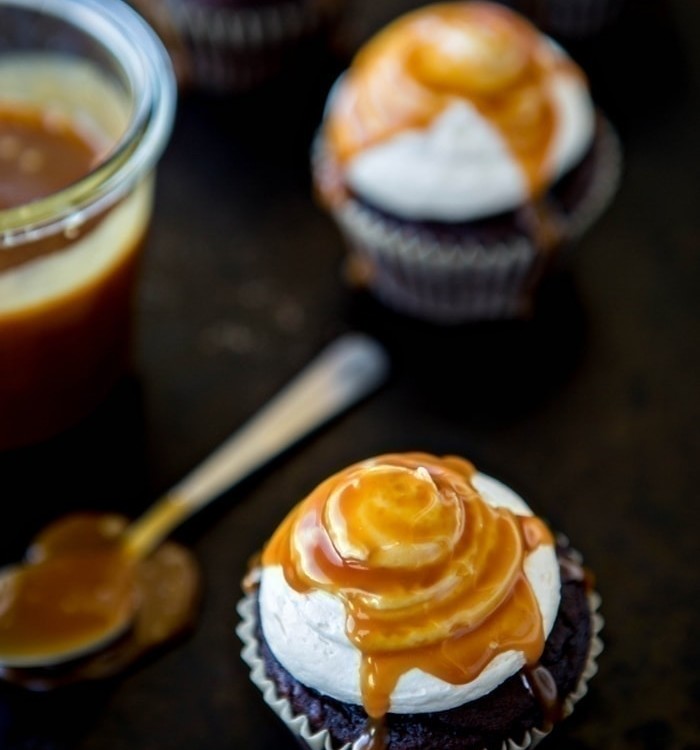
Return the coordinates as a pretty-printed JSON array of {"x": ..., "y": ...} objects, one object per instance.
[{"x": 72, "y": 585}]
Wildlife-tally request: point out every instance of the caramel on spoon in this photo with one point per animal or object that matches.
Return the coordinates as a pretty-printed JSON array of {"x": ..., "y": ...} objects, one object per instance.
[{"x": 78, "y": 592}]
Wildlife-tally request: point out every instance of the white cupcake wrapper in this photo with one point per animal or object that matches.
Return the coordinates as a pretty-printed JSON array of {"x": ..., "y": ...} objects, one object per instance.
[
  {"x": 458, "y": 282},
  {"x": 300, "y": 726},
  {"x": 238, "y": 48}
]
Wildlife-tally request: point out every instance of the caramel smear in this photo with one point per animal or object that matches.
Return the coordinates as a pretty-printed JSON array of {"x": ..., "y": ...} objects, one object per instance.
[
  {"x": 431, "y": 576},
  {"x": 423, "y": 62}
]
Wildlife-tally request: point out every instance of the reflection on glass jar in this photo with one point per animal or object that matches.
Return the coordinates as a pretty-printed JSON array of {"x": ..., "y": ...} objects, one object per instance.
[{"x": 87, "y": 99}]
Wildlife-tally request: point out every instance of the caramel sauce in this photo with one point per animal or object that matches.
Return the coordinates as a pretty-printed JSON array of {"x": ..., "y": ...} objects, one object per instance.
[
  {"x": 431, "y": 576},
  {"x": 420, "y": 64},
  {"x": 77, "y": 584},
  {"x": 37, "y": 613},
  {"x": 544, "y": 223},
  {"x": 540, "y": 683},
  {"x": 374, "y": 737},
  {"x": 66, "y": 349},
  {"x": 40, "y": 154}
]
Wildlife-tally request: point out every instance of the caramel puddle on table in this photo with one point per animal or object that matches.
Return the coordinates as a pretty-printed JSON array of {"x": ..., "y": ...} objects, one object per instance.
[{"x": 166, "y": 590}]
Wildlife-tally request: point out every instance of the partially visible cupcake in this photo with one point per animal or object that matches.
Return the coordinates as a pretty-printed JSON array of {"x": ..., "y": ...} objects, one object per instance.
[
  {"x": 413, "y": 603},
  {"x": 226, "y": 46},
  {"x": 570, "y": 18},
  {"x": 459, "y": 153}
]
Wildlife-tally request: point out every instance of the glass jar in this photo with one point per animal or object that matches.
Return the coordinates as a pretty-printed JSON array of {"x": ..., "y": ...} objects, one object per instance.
[{"x": 90, "y": 75}]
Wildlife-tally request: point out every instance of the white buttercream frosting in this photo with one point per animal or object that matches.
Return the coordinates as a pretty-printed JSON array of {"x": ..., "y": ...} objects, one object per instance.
[
  {"x": 306, "y": 631},
  {"x": 459, "y": 168}
]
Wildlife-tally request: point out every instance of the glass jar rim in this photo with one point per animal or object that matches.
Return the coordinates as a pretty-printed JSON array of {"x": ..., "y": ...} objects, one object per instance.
[{"x": 145, "y": 62}]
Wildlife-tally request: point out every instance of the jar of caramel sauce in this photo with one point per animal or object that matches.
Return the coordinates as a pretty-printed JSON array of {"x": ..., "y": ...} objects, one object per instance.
[{"x": 87, "y": 99}]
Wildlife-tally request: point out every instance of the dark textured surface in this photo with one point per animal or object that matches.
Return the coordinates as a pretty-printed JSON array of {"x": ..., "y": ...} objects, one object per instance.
[
  {"x": 508, "y": 712},
  {"x": 590, "y": 410}
]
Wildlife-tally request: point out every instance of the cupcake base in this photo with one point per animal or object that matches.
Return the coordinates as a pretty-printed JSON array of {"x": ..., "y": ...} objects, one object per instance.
[
  {"x": 512, "y": 717},
  {"x": 472, "y": 271}
]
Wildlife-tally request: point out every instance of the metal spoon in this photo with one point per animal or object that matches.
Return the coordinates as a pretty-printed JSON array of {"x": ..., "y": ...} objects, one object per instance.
[{"x": 348, "y": 369}]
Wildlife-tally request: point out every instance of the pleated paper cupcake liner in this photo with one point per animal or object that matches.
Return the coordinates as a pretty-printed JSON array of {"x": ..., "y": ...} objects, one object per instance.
[
  {"x": 445, "y": 283},
  {"x": 300, "y": 726}
]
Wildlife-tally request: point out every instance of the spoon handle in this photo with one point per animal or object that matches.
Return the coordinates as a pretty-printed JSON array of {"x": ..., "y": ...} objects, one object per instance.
[{"x": 345, "y": 371}]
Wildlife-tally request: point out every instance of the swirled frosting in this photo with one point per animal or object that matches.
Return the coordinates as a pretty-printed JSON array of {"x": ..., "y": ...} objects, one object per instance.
[
  {"x": 408, "y": 583},
  {"x": 453, "y": 112}
]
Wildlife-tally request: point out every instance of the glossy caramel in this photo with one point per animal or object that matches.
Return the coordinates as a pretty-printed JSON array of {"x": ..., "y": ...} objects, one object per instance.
[
  {"x": 410, "y": 72},
  {"x": 40, "y": 154},
  {"x": 430, "y": 575},
  {"x": 67, "y": 349},
  {"x": 77, "y": 584},
  {"x": 76, "y": 587}
]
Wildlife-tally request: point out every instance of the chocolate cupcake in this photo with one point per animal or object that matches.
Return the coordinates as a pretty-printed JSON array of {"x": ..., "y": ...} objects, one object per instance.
[
  {"x": 226, "y": 46},
  {"x": 413, "y": 603},
  {"x": 459, "y": 154}
]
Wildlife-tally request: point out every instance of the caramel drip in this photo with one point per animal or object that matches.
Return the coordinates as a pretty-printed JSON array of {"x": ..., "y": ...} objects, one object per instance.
[
  {"x": 430, "y": 575},
  {"x": 374, "y": 736},
  {"x": 544, "y": 223},
  {"x": 476, "y": 52},
  {"x": 540, "y": 682}
]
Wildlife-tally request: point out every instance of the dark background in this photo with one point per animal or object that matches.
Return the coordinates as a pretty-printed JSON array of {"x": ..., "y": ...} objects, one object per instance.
[{"x": 590, "y": 409}]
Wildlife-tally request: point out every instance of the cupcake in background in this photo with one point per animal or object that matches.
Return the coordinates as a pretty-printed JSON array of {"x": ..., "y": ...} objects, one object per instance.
[
  {"x": 570, "y": 18},
  {"x": 231, "y": 46},
  {"x": 411, "y": 602},
  {"x": 459, "y": 154}
]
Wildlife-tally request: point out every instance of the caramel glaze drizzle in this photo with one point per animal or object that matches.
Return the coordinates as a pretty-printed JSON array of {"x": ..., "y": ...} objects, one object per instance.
[
  {"x": 538, "y": 680},
  {"x": 410, "y": 72},
  {"x": 375, "y": 736},
  {"x": 430, "y": 575}
]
